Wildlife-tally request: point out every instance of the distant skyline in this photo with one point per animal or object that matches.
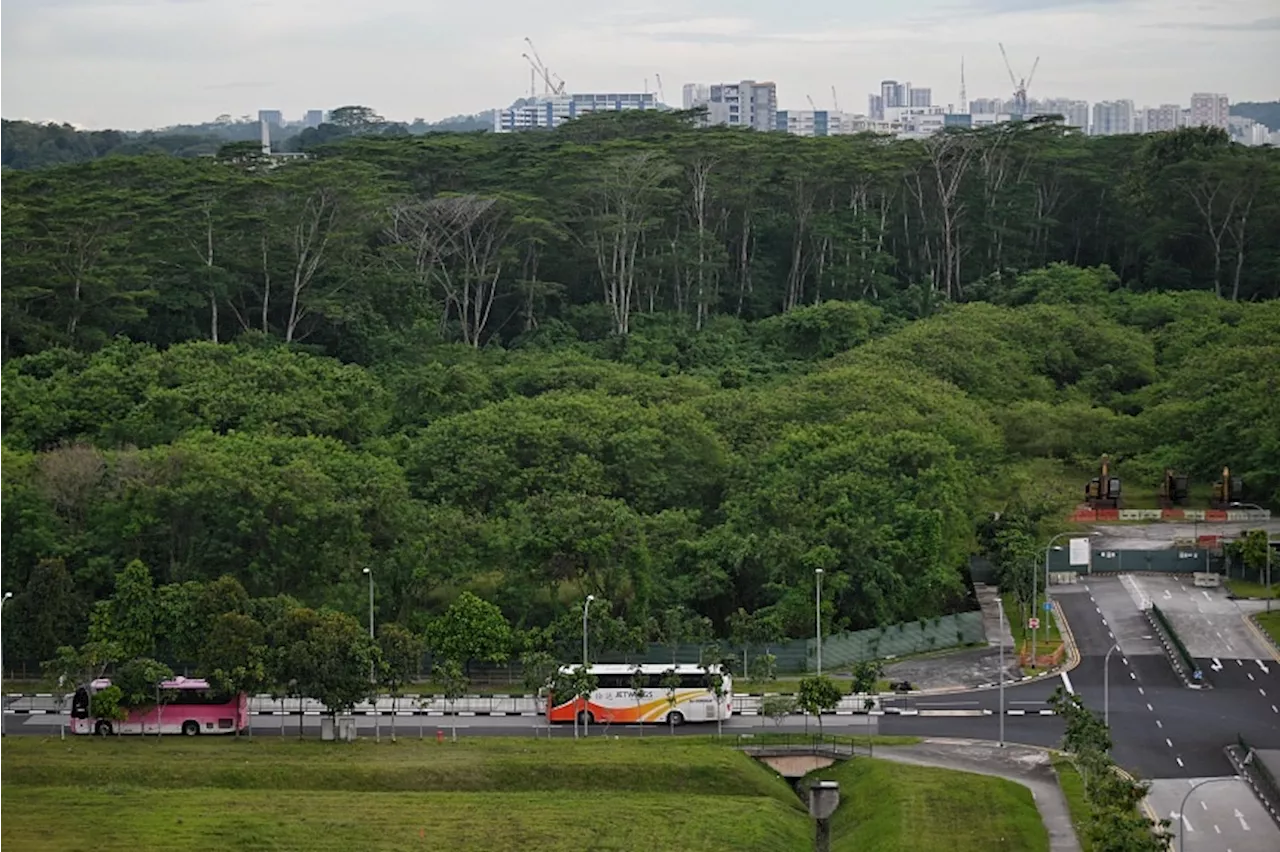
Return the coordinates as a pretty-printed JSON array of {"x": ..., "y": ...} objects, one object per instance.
[{"x": 134, "y": 64}]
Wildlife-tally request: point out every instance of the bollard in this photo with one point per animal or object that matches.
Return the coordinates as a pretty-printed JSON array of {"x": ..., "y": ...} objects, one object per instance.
[
  {"x": 824, "y": 798},
  {"x": 439, "y": 735}
]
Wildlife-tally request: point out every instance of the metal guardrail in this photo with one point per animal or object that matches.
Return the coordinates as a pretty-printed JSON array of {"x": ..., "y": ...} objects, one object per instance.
[{"x": 1262, "y": 776}]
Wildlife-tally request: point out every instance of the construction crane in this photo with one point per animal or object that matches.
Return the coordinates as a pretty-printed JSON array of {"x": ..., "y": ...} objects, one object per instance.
[
  {"x": 812, "y": 105},
  {"x": 835, "y": 101},
  {"x": 1019, "y": 86},
  {"x": 553, "y": 82},
  {"x": 662, "y": 99}
]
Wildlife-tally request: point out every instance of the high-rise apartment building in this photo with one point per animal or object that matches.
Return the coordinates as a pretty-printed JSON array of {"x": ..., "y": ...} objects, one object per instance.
[
  {"x": 1074, "y": 113},
  {"x": 1209, "y": 109},
  {"x": 313, "y": 118},
  {"x": 271, "y": 116},
  {"x": 1162, "y": 118},
  {"x": 554, "y": 110},
  {"x": 743, "y": 104},
  {"x": 919, "y": 97},
  {"x": 875, "y": 107},
  {"x": 986, "y": 106},
  {"x": 1112, "y": 117}
]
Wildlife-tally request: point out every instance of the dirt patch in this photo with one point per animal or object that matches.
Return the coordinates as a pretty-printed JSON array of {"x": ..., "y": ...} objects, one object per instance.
[{"x": 967, "y": 668}]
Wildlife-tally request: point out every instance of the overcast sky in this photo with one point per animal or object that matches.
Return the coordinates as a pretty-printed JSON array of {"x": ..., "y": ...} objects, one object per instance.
[{"x": 148, "y": 63}]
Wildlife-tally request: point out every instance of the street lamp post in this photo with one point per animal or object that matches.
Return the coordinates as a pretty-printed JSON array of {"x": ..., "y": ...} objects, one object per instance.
[
  {"x": 369, "y": 573},
  {"x": 1000, "y": 604},
  {"x": 1182, "y": 808},
  {"x": 1106, "y": 687},
  {"x": 1268, "y": 532},
  {"x": 3, "y": 601},
  {"x": 1035, "y": 602},
  {"x": 586, "y": 607},
  {"x": 1035, "y": 598},
  {"x": 818, "y": 610}
]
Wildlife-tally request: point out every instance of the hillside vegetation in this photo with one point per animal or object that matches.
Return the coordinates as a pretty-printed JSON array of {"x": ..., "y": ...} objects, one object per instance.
[{"x": 678, "y": 371}]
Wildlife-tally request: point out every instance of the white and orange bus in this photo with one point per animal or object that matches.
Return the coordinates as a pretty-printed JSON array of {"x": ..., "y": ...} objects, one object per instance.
[
  {"x": 615, "y": 701},
  {"x": 194, "y": 708}
]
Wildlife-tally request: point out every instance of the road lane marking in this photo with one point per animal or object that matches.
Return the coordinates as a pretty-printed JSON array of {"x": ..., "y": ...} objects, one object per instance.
[
  {"x": 1239, "y": 662},
  {"x": 1125, "y": 660},
  {"x": 1132, "y": 676},
  {"x": 1066, "y": 682},
  {"x": 1244, "y": 825},
  {"x": 1262, "y": 692},
  {"x": 1203, "y": 806},
  {"x": 1159, "y": 724},
  {"x": 1250, "y": 674},
  {"x": 1263, "y": 666},
  {"x": 1141, "y": 691},
  {"x": 1273, "y": 709},
  {"x": 1217, "y": 665},
  {"x": 1206, "y": 596},
  {"x": 1149, "y": 707},
  {"x": 1180, "y": 764},
  {"x": 1169, "y": 741},
  {"x": 1216, "y": 830}
]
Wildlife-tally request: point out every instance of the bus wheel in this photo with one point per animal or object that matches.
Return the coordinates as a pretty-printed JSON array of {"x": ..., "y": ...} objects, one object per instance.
[
  {"x": 103, "y": 728},
  {"x": 585, "y": 718},
  {"x": 190, "y": 728},
  {"x": 676, "y": 718}
]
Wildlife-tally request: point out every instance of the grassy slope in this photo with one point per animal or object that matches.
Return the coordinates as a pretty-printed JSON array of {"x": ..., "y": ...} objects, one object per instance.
[
  {"x": 495, "y": 794},
  {"x": 1073, "y": 789},
  {"x": 892, "y": 807},
  {"x": 1270, "y": 622}
]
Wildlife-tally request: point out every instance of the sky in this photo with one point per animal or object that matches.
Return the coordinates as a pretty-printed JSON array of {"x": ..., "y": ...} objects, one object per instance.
[{"x": 134, "y": 64}]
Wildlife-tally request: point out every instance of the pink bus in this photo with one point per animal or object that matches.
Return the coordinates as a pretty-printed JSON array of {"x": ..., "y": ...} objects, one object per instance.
[{"x": 194, "y": 707}]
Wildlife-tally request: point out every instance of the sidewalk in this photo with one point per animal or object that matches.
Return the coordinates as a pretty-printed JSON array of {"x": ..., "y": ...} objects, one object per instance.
[{"x": 1030, "y": 767}]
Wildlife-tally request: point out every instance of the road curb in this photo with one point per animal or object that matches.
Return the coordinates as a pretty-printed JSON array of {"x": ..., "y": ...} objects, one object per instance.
[
  {"x": 1237, "y": 763},
  {"x": 1250, "y": 619}
]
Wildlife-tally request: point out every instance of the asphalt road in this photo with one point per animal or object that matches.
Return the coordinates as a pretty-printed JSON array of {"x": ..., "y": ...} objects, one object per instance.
[
  {"x": 1221, "y": 815},
  {"x": 1161, "y": 730}
]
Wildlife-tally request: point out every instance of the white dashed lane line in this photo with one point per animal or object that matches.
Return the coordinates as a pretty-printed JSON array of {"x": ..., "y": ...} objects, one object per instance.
[
  {"x": 1152, "y": 709},
  {"x": 1169, "y": 742}
]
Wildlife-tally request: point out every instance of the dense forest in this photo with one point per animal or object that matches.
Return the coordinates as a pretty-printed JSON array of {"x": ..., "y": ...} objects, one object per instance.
[{"x": 679, "y": 370}]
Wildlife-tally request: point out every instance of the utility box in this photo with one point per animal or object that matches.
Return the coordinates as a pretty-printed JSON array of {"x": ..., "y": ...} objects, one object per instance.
[
  {"x": 326, "y": 728},
  {"x": 347, "y": 729}
]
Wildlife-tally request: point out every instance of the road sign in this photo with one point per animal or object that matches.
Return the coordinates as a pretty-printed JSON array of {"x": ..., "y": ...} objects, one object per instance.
[
  {"x": 1048, "y": 607},
  {"x": 1033, "y": 623}
]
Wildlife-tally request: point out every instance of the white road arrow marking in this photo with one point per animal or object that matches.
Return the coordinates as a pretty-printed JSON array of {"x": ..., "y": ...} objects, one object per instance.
[
  {"x": 1217, "y": 665},
  {"x": 1244, "y": 825},
  {"x": 1263, "y": 666},
  {"x": 1167, "y": 594},
  {"x": 1185, "y": 822}
]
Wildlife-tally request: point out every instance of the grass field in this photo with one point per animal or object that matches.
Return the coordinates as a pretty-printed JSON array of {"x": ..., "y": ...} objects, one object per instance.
[
  {"x": 496, "y": 794},
  {"x": 893, "y": 807},
  {"x": 1270, "y": 623},
  {"x": 1250, "y": 589}
]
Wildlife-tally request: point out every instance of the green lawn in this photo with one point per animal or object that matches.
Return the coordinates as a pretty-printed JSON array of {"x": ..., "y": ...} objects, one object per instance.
[
  {"x": 1250, "y": 589},
  {"x": 1270, "y": 623},
  {"x": 893, "y": 807},
  {"x": 493, "y": 794},
  {"x": 1073, "y": 789}
]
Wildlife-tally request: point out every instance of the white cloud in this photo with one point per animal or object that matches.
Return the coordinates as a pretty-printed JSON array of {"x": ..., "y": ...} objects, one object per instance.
[{"x": 137, "y": 63}]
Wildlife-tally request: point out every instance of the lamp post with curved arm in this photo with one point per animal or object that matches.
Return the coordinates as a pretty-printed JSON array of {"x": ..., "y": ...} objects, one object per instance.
[{"x": 1183, "y": 807}]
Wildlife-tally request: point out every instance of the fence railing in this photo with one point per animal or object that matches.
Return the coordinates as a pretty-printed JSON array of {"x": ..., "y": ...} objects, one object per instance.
[
  {"x": 1183, "y": 654},
  {"x": 1266, "y": 781}
]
